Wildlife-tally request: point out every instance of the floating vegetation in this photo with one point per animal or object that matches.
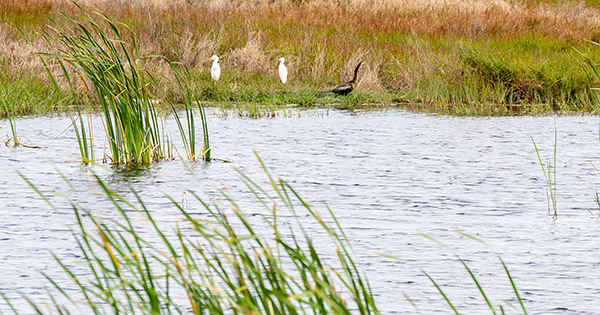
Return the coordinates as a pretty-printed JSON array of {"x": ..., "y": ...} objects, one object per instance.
[{"x": 107, "y": 72}]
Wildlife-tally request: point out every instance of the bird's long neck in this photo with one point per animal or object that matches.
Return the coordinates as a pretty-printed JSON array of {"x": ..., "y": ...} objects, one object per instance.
[{"x": 356, "y": 72}]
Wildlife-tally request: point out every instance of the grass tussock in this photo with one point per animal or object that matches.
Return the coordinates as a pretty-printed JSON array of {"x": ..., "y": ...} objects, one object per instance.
[{"x": 463, "y": 57}]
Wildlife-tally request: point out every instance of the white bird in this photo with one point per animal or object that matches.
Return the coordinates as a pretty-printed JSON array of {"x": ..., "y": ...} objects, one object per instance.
[
  {"x": 215, "y": 70},
  {"x": 282, "y": 70}
]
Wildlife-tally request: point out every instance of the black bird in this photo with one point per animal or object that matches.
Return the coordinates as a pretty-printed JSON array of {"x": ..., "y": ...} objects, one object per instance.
[{"x": 346, "y": 88}]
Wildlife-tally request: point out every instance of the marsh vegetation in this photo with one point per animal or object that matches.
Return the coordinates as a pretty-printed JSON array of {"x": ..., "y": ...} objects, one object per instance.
[
  {"x": 140, "y": 68},
  {"x": 102, "y": 68},
  {"x": 468, "y": 57}
]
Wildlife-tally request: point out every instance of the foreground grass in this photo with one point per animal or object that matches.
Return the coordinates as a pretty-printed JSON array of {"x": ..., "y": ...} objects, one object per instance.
[
  {"x": 222, "y": 259},
  {"x": 468, "y": 57},
  {"x": 219, "y": 262}
]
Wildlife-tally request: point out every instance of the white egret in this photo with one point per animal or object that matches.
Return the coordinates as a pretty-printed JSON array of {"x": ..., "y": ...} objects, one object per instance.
[
  {"x": 282, "y": 70},
  {"x": 346, "y": 88},
  {"x": 215, "y": 70}
]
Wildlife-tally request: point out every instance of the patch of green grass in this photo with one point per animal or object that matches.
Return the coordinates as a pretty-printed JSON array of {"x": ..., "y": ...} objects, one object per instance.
[
  {"x": 238, "y": 89},
  {"x": 525, "y": 75},
  {"x": 531, "y": 70},
  {"x": 26, "y": 94}
]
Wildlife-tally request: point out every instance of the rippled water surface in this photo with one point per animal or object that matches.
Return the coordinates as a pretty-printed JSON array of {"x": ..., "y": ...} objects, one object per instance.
[{"x": 389, "y": 176}]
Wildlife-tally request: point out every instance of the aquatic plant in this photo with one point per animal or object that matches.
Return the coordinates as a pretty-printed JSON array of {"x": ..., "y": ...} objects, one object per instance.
[
  {"x": 7, "y": 95},
  {"x": 190, "y": 98},
  {"x": 219, "y": 259},
  {"x": 549, "y": 170},
  {"x": 11, "y": 118},
  {"x": 108, "y": 73},
  {"x": 216, "y": 263},
  {"x": 493, "y": 307}
]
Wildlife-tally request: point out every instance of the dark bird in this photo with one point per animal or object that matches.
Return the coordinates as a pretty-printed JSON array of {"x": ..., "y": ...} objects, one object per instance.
[{"x": 346, "y": 88}]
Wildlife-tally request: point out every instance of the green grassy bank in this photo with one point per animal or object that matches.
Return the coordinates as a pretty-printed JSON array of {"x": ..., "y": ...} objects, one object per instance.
[{"x": 465, "y": 58}]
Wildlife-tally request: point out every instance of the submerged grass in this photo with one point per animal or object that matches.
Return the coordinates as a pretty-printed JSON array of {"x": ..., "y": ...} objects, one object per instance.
[{"x": 221, "y": 263}]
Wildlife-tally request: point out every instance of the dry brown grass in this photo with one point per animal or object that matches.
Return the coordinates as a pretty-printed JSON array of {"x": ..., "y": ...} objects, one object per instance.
[
  {"x": 194, "y": 49},
  {"x": 564, "y": 19},
  {"x": 20, "y": 53},
  {"x": 250, "y": 58},
  {"x": 322, "y": 40}
]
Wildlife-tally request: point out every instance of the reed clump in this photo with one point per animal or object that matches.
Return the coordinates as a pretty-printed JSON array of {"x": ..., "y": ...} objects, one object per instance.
[{"x": 101, "y": 66}]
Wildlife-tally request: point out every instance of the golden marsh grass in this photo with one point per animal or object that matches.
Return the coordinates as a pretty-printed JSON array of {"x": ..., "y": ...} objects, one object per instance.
[{"x": 415, "y": 49}]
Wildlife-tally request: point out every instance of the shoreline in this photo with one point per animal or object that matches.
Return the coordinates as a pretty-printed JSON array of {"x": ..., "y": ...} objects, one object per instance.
[
  {"x": 266, "y": 110},
  {"x": 466, "y": 63}
]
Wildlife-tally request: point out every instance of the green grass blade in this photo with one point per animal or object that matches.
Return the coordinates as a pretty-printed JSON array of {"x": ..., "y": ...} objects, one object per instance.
[{"x": 441, "y": 292}]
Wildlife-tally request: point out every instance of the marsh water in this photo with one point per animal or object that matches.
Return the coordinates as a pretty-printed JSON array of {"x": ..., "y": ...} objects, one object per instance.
[{"x": 389, "y": 176}]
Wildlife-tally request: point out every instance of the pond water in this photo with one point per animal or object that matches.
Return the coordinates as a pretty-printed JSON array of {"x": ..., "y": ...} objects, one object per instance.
[{"x": 389, "y": 176}]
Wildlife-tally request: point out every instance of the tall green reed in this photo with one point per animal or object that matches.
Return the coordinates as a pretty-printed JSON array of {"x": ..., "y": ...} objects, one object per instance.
[
  {"x": 107, "y": 73},
  {"x": 596, "y": 194},
  {"x": 494, "y": 308},
  {"x": 85, "y": 139},
  {"x": 184, "y": 78},
  {"x": 549, "y": 170},
  {"x": 592, "y": 74},
  {"x": 220, "y": 262}
]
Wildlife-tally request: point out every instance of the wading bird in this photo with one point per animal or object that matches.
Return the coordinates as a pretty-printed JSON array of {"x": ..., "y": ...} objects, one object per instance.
[
  {"x": 282, "y": 70},
  {"x": 346, "y": 88},
  {"x": 215, "y": 70}
]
